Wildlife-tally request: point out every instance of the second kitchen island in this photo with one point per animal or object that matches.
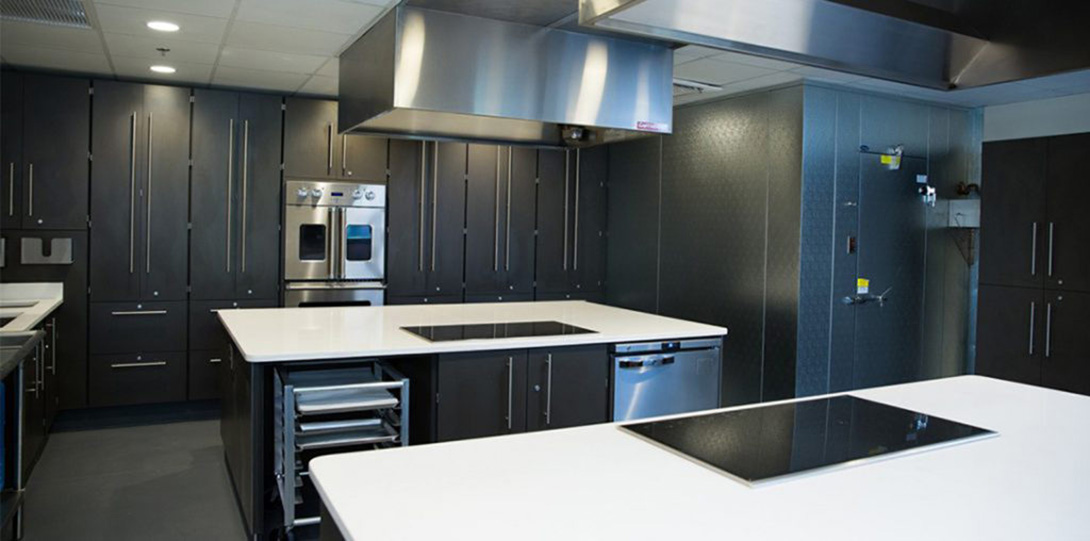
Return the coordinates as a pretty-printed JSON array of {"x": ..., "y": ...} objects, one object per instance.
[{"x": 300, "y": 382}]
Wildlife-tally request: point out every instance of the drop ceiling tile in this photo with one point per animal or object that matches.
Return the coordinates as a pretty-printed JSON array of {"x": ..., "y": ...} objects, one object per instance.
[
  {"x": 267, "y": 37},
  {"x": 133, "y": 21},
  {"x": 757, "y": 61},
  {"x": 693, "y": 52},
  {"x": 145, "y": 47},
  {"x": 58, "y": 59},
  {"x": 53, "y": 37},
  {"x": 320, "y": 86},
  {"x": 208, "y": 8},
  {"x": 331, "y": 68},
  {"x": 830, "y": 76},
  {"x": 140, "y": 68},
  {"x": 270, "y": 60},
  {"x": 764, "y": 81},
  {"x": 710, "y": 70},
  {"x": 335, "y": 16},
  {"x": 261, "y": 79}
]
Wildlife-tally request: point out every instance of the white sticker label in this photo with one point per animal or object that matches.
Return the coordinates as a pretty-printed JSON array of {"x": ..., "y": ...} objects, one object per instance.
[{"x": 658, "y": 127}]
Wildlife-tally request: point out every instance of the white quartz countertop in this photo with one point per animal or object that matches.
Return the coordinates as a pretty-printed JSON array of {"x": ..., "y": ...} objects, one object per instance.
[
  {"x": 597, "y": 482},
  {"x": 28, "y": 303},
  {"x": 289, "y": 334}
]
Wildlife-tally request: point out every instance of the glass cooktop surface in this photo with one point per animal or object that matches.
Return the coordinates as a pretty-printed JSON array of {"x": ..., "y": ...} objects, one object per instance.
[
  {"x": 478, "y": 331},
  {"x": 771, "y": 443}
]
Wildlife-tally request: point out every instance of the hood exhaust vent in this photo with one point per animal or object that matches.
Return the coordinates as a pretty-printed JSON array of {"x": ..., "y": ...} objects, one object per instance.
[
  {"x": 67, "y": 13},
  {"x": 433, "y": 74}
]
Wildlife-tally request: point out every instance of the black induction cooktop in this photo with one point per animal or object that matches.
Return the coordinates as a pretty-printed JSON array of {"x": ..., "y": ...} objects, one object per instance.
[
  {"x": 772, "y": 443},
  {"x": 477, "y": 331}
]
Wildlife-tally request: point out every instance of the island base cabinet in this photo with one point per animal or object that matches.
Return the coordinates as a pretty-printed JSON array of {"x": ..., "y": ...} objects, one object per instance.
[
  {"x": 123, "y": 379},
  {"x": 1066, "y": 365},
  {"x": 481, "y": 394},
  {"x": 204, "y": 375},
  {"x": 567, "y": 387}
]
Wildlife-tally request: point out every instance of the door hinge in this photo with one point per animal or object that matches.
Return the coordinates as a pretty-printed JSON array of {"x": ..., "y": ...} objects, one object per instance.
[
  {"x": 537, "y": 180},
  {"x": 90, "y": 157},
  {"x": 88, "y": 291},
  {"x": 192, "y": 99},
  {"x": 88, "y": 222},
  {"x": 535, "y": 232},
  {"x": 283, "y": 106},
  {"x": 90, "y": 91},
  {"x": 189, "y": 289},
  {"x": 436, "y": 398},
  {"x": 281, "y": 167},
  {"x": 189, "y": 226},
  {"x": 191, "y": 163},
  {"x": 465, "y": 231}
]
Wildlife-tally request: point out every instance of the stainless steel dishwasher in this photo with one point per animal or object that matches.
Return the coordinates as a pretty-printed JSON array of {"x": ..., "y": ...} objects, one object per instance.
[{"x": 662, "y": 378}]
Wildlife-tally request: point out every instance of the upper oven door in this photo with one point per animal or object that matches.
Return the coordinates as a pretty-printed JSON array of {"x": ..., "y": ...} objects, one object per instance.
[
  {"x": 309, "y": 243},
  {"x": 362, "y": 243}
]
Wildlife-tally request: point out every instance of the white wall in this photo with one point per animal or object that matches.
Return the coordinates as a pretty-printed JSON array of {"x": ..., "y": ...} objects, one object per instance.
[{"x": 1038, "y": 118}]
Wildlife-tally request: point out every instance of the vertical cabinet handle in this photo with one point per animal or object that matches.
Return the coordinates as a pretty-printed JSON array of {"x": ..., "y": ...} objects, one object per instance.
[
  {"x": 147, "y": 227},
  {"x": 1033, "y": 252},
  {"x": 423, "y": 180},
  {"x": 510, "y": 390},
  {"x": 329, "y": 148},
  {"x": 245, "y": 179},
  {"x": 567, "y": 175},
  {"x": 434, "y": 200},
  {"x": 11, "y": 189},
  {"x": 507, "y": 232},
  {"x": 575, "y": 235},
  {"x": 53, "y": 346},
  {"x": 30, "y": 186},
  {"x": 1051, "y": 237},
  {"x": 1032, "y": 325},
  {"x": 549, "y": 390},
  {"x": 496, "y": 218},
  {"x": 344, "y": 156},
  {"x": 230, "y": 183},
  {"x": 1048, "y": 331},
  {"x": 132, "y": 191}
]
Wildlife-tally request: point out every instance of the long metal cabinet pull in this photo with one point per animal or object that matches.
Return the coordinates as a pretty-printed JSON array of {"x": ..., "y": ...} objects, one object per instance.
[
  {"x": 53, "y": 347},
  {"x": 147, "y": 227},
  {"x": 496, "y": 219},
  {"x": 138, "y": 365},
  {"x": 245, "y": 179},
  {"x": 567, "y": 175},
  {"x": 423, "y": 180},
  {"x": 1048, "y": 331},
  {"x": 549, "y": 390},
  {"x": 510, "y": 389},
  {"x": 139, "y": 313},
  {"x": 132, "y": 192},
  {"x": 507, "y": 233},
  {"x": 230, "y": 183},
  {"x": 434, "y": 200},
  {"x": 1032, "y": 325},
  {"x": 344, "y": 155},
  {"x": 575, "y": 235},
  {"x": 1033, "y": 252},
  {"x": 1051, "y": 235},
  {"x": 11, "y": 189},
  {"x": 30, "y": 185},
  {"x": 329, "y": 148}
]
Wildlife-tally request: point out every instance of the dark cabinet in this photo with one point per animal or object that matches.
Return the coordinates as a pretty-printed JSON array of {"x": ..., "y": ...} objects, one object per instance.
[
  {"x": 1012, "y": 216},
  {"x": 139, "y": 192},
  {"x": 239, "y": 430},
  {"x": 137, "y": 327},
  {"x": 501, "y": 184},
  {"x": 481, "y": 394},
  {"x": 1067, "y": 197},
  {"x": 205, "y": 330},
  {"x": 1066, "y": 362},
  {"x": 34, "y": 429},
  {"x": 204, "y": 374},
  {"x": 567, "y": 387},
  {"x": 363, "y": 158},
  {"x": 45, "y": 147},
  {"x": 1013, "y": 320},
  {"x": 235, "y": 240},
  {"x": 125, "y": 379},
  {"x": 314, "y": 150},
  {"x": 571, "y": 221},
  {"x": 426, "y": 214}
]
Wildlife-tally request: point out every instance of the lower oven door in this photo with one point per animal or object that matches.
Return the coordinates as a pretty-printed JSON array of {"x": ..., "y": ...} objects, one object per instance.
[
  {"x": 334, "y": 294},
  {"x": 308, "y": 243}
]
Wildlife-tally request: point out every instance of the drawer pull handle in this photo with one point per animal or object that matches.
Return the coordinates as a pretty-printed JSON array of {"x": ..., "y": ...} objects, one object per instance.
[
  {"x": 140, "y": 313},
  {"x": 138, "y": 365},
  {"x": 215, "y": 361}
]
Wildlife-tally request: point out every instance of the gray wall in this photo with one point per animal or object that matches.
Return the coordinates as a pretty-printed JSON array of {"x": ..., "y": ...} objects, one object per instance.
[{"x": 733, "y": 220}]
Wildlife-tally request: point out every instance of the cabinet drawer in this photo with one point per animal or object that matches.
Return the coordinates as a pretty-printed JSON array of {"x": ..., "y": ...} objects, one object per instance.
[
  {"x": 131, "y": 327},
  {"x": 424, "y": 300},
  {"x": 137, "y": 379},
  {"x": 205, "y": 330},
  {"x": 204, "y": 375},
  {"x": 500, "y": 298}
]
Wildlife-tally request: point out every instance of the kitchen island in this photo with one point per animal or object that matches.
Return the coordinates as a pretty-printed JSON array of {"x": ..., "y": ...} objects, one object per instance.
[
  {"x": 462, "y": 371},
  {"x": 1032, "y": 481}
]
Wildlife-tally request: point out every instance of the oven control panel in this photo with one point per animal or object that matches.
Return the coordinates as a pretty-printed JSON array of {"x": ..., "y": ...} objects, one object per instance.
[{"x": 334, "y": 194}]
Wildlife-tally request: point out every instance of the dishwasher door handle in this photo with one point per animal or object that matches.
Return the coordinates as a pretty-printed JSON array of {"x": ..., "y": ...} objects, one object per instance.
[{"x": 645, "y": 362}]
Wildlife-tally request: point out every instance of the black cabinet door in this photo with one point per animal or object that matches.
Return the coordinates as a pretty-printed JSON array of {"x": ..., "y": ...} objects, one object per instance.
[
  {"x": 486, "y": 217},
  {"x": 589, "y": 228},
  {"x": 260, "y": 207},
  {"x": 204, "y": 369},
  {"x": 122, "y": 379},
  {"x": 447, "y": 204},
  {"x": 1012, "y": 215},
  {"x": 1011, "y": 333},
  {"x": 405, "y": 216},
  {"x": 481, "y": 394},
  {"x": 51, "y": 387},
  {"x": 213, "y": 239},
  {"x": 1067, "y": 235},
  {"x": 1066, "y": 364},
  {"x": 56, "y": 142},
  {"x": 311, "y": 144},
  {"x": 520, "y": 222},
  {"x": 567, "y": 387},
  {"x": 554, "y": 221},
  {"x": 363, "y": 158},
  {"x": 166, "y": 193},
  {"x": 33, "y": 413},
  {"x": 11, "y": 150},
  {"x": 117, "y": 232}
]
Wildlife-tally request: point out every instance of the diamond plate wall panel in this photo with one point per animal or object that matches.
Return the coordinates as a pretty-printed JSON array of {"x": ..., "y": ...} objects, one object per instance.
[
  {"x": 815, "y": 302},
  {"x": 784, "y": 158},
  {"x": 888, "y": 122},
  {"x": 632, "y": 250},
  {"x": 846, "y": 224},
  {"x": 937, "y": 239}
]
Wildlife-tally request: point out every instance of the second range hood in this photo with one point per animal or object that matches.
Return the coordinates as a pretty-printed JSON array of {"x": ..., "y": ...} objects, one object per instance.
[{"x": 433, "y": 74}]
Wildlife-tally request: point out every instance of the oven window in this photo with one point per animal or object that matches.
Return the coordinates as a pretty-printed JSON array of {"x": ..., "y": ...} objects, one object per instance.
[
  {"x": 358, "y": 242},
  {"x": 312, "y": 242}
]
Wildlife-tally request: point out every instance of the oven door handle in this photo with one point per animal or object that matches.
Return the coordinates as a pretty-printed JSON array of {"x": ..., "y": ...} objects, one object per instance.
[
  {"x": 342, "y": 231},
  {"x": 331, "y": 255},
  {"x": 645, "y": 362}
]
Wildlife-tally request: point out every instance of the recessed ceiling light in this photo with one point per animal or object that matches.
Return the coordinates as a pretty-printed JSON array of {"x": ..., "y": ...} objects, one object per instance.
[
  {"x": 163, "y": 69},
  {"x": 163, "y": 26}
]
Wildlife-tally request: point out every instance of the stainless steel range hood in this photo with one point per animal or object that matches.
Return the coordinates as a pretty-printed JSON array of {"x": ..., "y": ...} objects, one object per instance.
[
  {"x": 944, "y": 44},
  {"x": 434, "y": 74}
]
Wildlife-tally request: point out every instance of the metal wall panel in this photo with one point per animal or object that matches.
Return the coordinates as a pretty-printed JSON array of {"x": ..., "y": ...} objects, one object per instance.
[
  {"x": 938, "y": 239},
  {"x": 632, "y": 268},
  {"x": 846, "y": 224}
]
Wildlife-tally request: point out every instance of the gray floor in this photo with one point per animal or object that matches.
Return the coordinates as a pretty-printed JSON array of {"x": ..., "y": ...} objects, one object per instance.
[{"x": 163, "y": 481}]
